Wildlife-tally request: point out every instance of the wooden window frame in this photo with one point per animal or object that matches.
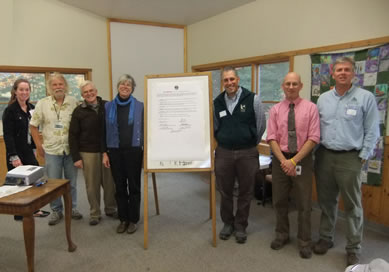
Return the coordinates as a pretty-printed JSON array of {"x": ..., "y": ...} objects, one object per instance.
[{"x": 253, "y": 62}]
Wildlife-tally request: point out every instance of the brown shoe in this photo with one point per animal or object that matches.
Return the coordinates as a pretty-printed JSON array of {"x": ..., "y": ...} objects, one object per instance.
[
  {"x": 306, "y": 252},
  {"x": 113, "y": 215},
  {"x": 278, "y": 243},
  {"x": 123, "y": 226},
  {"x": 322, "y": 246},
  {"x": 132, "y": 228},
  {"x": 93, "y": 221},
  {"x": 352, "y": 258}
]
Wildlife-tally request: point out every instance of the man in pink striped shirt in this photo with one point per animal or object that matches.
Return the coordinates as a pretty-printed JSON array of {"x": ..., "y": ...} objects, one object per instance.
[{"x": 292, "y": 165}]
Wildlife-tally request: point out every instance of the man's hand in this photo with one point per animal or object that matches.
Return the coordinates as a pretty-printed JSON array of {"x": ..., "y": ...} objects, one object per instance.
[
  {"x": 288, "y": 167},
  {"x": 106, "y": 160},
  {"x": 40, "y": 151},
  {"x": 79, "y": 164}
]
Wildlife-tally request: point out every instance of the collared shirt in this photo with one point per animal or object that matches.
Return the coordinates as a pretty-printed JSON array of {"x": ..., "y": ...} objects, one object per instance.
[
  {"x": 231, "y": 102},
  {"x": 306, "y": 121},
  {"x": 350, "y": 121},
  {"x": 260, "y": 118},
  {"x": 54, "y": 121}
]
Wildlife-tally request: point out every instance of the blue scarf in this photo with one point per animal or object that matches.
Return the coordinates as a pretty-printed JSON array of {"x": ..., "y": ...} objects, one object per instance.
[{"x": 112, "y": 115}]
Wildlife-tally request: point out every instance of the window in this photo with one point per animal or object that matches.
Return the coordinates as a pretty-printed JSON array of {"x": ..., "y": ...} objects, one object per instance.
[
  {"x": 37, "y": 77},
  {"x": 245, "y": 76},
  {"x": 74, "y": 80},
  {"x": 37, "y": 81},
  {"x": 216, "y": 83},
  {"x": 268, "y": 75}
]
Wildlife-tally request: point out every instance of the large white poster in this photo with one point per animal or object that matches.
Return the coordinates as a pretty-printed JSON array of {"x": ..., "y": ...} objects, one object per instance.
[{"x": 178, "y": 122}]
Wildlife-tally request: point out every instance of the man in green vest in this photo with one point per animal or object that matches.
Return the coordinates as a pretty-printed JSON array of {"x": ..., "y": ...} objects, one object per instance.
[{"x": 239, "y": 122}]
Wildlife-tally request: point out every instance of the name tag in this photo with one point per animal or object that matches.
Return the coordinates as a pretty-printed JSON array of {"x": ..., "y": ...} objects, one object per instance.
[
  {"x": 222, "y": 113},
  {"x": 58, "y": 125},
  {"x": 298, "y": 170},
  {"x": 351, "y": 112}
]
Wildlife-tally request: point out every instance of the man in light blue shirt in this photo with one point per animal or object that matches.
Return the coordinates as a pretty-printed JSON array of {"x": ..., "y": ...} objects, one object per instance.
[{"x": 349, "y": 129}]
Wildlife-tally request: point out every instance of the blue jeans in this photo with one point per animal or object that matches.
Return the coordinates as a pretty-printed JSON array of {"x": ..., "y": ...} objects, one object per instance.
[{"x": 55, "y": 166}]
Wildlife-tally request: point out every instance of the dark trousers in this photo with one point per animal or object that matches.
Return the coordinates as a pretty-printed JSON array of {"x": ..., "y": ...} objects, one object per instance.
[
  {"x": 126, "y": 167},
  {"x": 27, "y": 158},
  {"x": 242, "y": 164},
  {"x": 300, "y": 188}
]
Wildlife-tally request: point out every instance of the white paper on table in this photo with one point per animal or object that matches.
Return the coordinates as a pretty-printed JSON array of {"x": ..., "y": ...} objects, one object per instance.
[{"x": 7, "y": 190}]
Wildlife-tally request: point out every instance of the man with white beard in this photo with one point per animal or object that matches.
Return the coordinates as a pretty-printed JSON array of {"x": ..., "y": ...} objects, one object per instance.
[{"x": 53, "y": 114}]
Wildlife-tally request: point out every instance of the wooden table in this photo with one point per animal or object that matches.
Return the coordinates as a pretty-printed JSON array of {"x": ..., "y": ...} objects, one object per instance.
[{"x": 30, "y": 200}]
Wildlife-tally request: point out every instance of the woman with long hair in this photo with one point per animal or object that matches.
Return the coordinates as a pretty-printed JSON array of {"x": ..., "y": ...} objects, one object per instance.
[{"x": 18, "y": 141}]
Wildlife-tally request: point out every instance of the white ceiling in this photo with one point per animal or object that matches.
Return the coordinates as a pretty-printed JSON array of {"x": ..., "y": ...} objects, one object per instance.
[{"x": 183, "y": 12}]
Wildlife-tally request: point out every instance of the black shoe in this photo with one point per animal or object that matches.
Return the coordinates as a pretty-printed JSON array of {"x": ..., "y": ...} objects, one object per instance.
[
  {"x": 226, "y": 232},
  {"x": 18, "y": 218},
  {"x": 240, "y": 236},
  {"x": 278, "y": 243},
  {"x": 322, "y": 246}
]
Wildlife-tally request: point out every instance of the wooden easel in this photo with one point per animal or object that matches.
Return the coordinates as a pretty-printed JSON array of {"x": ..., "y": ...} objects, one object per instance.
[
  {"x": 212, "y": 205},
  {"x": 153, "y": 170}
]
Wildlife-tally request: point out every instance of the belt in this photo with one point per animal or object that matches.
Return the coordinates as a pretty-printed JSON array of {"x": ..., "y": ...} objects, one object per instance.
[
  {"x": 340, "y": 151},
  {"x": 235, "y": 148},
  {"x": 289, "y": 155}
]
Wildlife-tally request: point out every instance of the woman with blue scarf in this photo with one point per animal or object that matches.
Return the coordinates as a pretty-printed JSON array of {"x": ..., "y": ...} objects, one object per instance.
[{"x": 124, "y": 142}]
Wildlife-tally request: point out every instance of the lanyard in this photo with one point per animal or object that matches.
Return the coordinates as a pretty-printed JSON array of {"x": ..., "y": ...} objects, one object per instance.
[{"x": 58, "y": 113}]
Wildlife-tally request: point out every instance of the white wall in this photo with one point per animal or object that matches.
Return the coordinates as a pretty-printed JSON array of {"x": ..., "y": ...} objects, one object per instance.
[
  {"x": 141, "y": 50},
  {"x": 273, "y": 26},
  {"x": 50, "y": 33}
]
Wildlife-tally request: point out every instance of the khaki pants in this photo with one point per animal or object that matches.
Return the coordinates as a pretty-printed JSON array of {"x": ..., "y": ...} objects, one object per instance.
[
  {"x": 337, "y": 174},
  {"x": 97, "y": 175}
]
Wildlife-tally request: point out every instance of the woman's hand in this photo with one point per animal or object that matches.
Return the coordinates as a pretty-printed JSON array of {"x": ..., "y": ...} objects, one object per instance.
[{"x": 16, "y": 163}]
